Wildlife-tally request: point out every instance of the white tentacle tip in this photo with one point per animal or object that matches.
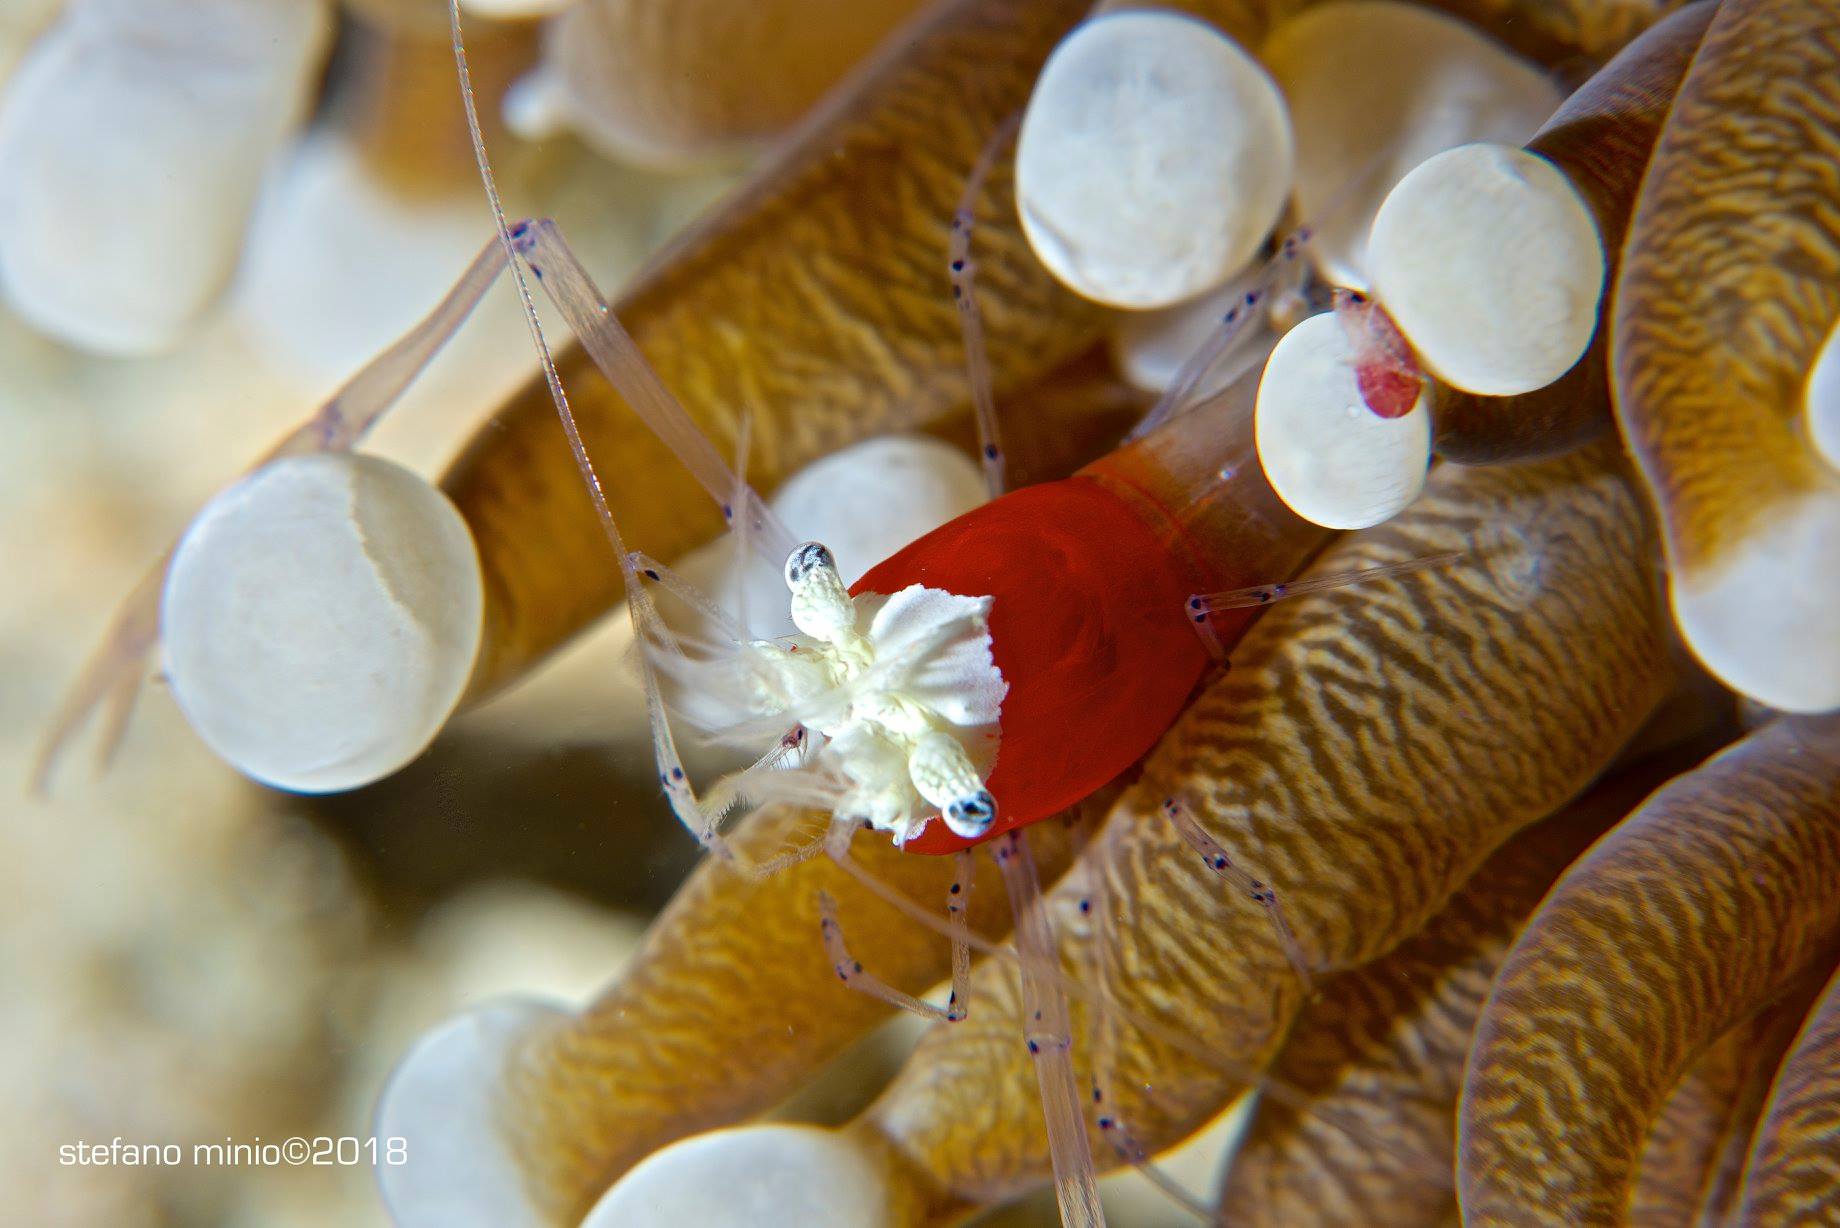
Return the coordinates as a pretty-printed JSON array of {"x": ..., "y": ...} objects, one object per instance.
[
  {"x": 1763, "y": 620},
  {"x": 1154, "y": 157},
  {"x": 441, "y": 1112},
  {"x": 1491, "y": 264},
  {"x": 135, "y": 137},
  {"x": 321, "y": 618},
  {"x": 1330, "y": 458},
  {"x": 740, "y": 1178},
  {"x": 1364, "y": 117}
]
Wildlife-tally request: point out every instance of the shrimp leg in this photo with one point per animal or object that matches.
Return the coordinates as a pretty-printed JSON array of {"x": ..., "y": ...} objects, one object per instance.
[
  {"x": 970, "y": 319},
  {"x": 551, "y": 261},
  {"x": 1203, "y": 604},
  {"x": 1049, "y": 1030},
  {"x": 851, "y": 972},
  {"x": 1201, "y": 607},
  {"x": 541, "y": 248},
  {"x": 1282, "y": 275},
  {"x": 1260, "y": 892},
  {"x": 1132, "y": 1152},
  {"x": 1113, "y": 1127}
]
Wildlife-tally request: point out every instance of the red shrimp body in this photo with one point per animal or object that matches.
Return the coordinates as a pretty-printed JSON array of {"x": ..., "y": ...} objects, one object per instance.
[{"x": 1088, "y": 626}]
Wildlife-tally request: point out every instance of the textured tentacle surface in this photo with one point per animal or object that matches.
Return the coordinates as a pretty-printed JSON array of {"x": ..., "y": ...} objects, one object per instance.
[
  {"x": 815, "y": 301},
  {"x": 1368, "y": 750},
  {"x": 1694, "y": 1156},
  {"x": 1601, "y": 138},
  {"x": 1718, "y": 321},
  {"x": 1384, "y": 1047},
  {"x": 1793, "y": 1175},
  {"x": 731, "y": 1004},
  {"x": 1691, "y": 1132},
  {"x": 1678, "y": 925}
]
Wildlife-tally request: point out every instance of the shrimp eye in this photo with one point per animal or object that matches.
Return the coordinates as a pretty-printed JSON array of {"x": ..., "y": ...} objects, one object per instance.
[
  {"x": 804, "y": 559},
  {"x": 972, "y": 816}
]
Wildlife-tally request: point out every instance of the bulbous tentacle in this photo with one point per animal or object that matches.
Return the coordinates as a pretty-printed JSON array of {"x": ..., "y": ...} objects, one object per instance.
[
  {"x": 1557, "y": 33},
  {"x": 1367, "y": 751},
  {"x": 673, "y": 83},
  {"x": 1730, "y": 289},
  {"x": 1692, "y": 913},
  {"x": 1601, "y": 138}
]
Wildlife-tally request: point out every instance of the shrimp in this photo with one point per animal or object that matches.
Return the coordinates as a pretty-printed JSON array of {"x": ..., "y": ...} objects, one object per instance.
[{"x": 945, "y": 684}]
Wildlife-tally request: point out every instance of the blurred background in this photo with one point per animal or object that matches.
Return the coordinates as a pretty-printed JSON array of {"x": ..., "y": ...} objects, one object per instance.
[{"x": 188, "y": 957}]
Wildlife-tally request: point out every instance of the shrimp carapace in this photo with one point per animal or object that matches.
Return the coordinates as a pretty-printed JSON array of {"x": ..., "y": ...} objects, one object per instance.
[
  {"x": 1087, "y": 628},
  {"x": 1091, "y": 621}
]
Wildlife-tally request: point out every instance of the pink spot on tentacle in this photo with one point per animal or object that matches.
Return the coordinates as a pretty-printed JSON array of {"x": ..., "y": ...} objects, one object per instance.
[{"x": 1385, "y": 370}]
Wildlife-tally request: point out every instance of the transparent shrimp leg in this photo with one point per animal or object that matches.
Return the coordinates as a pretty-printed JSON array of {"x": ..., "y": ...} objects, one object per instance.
[
  {"x": 1281, "y": 288},
  {"x": 1202, "y": 606},
  {"x": 963, "y": 268},
  {"x": 721, "y": 621},
  {"x": 1260, "y": 892},
  {"x": 1050, "y": 1037},
  {"x": 742, "y": 528},
  {"x": 540, "y": 247},
  {"x": 1265, "y": 594},
  {"x": 114, "y": 672},
  {"x": 730, "y": 790},
  {"x": 852, "y": 973},
  {"x": 551, "y": 261},
  {"x": 1111, "y": 1126},
  {"x": 701, "y": 815},
  {"x": 1129, "y": 1150},
  {"x": 1046, "y": 970}
]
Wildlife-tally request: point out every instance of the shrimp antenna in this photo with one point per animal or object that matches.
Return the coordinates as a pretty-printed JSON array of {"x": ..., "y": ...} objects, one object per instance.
[
  {"x": 609, "y": 345},
  {"x": 619, "y": 359},
  {"x": 550, "y": 375}
]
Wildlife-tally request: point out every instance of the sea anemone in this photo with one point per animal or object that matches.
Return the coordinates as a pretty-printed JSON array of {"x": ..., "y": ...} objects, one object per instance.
[{"x": 1458, "y": 861}]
